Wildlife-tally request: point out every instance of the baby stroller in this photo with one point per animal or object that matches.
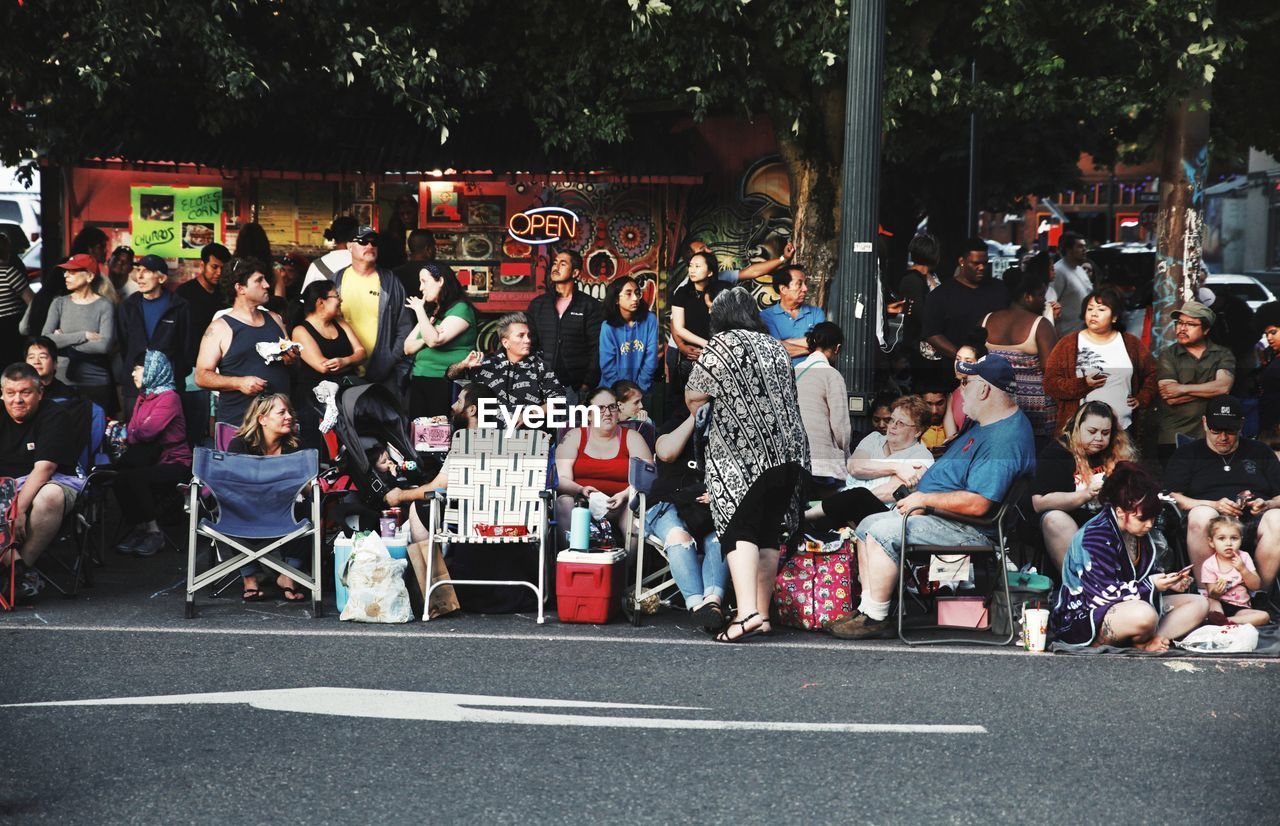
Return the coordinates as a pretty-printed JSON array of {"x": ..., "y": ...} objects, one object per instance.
[{"x": 370, "y": 423}]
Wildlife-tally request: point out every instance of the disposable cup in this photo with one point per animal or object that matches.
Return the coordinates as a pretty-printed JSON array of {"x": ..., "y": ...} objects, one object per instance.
[{"x": 1035, "y": 628}]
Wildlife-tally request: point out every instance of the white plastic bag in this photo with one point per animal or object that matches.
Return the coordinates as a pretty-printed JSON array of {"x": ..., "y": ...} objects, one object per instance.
[
  {"x": 1221, "y": 639},
  {"x": 375, "y": 583}
]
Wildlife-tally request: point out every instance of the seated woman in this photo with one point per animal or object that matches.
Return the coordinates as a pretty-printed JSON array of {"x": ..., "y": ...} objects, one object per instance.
[
  {"x": 268, "y": 431},
  {"x": 158, "y": 456},
  {"x": 596, "y": 459},
  {"x": 1111, "y": 593},
  {"x": 330, "y": 350},
  {"x": 1070, "y": 472},
  {"x": 879, "y": 466},
  {"x": 679, "y": 511}
]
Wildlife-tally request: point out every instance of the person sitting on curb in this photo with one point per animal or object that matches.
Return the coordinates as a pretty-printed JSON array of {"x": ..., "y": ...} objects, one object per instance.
[
  {"x": 971, "y": 478},
  {"x": 1224, "y": 474},
  {"x": 1111, "y": 593}
]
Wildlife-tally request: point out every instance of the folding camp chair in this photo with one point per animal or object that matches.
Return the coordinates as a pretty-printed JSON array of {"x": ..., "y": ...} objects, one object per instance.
[
  {"x": 657, "y": 583},
  {"x": 494, "y": 479},
  {"x": 1002, "y": 520},
  {"x": 255, "y": 497}
]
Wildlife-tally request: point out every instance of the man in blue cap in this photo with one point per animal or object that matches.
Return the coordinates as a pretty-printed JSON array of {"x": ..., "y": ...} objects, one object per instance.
[{"x": 971, "y": 478}]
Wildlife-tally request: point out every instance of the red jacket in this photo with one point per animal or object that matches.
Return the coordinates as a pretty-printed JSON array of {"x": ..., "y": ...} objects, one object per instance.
[{"x": 1062, "y": 383}]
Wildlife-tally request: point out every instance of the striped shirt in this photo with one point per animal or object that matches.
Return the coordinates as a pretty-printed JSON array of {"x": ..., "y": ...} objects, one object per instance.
[{"x": 13, "y": 281}]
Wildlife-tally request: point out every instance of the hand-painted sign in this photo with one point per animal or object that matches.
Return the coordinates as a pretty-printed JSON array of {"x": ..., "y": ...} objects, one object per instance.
[
  {"x": 543, "y": 225},
  {"x": 175, "y": 221}
]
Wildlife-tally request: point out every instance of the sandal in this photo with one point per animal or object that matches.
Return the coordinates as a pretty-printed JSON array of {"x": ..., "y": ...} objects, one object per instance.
[
  {"x": 293, "y": 594},
  {"x": 254, "y": 595},
  {"x": 723, "y": 636}
]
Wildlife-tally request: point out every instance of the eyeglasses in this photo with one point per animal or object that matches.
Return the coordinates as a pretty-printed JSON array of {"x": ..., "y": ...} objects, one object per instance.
[
  {"x": 900, "y": 423},
  {"x": 333, "y": 297},
  {"x": 1186, "y": 324},
  {"x": 610, "y": 408}
]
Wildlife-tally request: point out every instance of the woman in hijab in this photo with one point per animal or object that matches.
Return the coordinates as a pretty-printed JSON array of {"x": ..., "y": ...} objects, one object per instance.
[{"x": 158, "y": 455}]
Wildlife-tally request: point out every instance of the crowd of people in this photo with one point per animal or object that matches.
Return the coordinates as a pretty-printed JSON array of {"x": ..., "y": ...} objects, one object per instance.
[{"x": 1033, "y": 376}]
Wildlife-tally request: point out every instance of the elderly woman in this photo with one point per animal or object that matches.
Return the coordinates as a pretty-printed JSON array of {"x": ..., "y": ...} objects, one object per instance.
[
  {"x": 1100, "y": 362},
  {"x": 268, "y": 431},
  {"x": 596, "y": 460},
  {"x": 1071, "y": 470},
  {"x": 758, "y": 441},
  {"x": 824, "y": 408},
  {"x": 158, "y": 455},
  {"x": 1111, "y": 593},
  {"x": 879, "y": 467},
  {"x": 83, "y": 325}
]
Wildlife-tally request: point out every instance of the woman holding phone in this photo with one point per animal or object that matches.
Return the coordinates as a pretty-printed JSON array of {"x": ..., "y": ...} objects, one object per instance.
[
  {"x": 1100, "y": 362},
  {"x": 1111, "y": 592}
]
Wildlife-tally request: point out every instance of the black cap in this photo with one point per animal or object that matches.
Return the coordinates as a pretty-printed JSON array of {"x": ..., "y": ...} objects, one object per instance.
[
  {"x": 1224, "y": 413},
  {"x": 152, "y": 262},
  {"x": 366, "y": 233}
]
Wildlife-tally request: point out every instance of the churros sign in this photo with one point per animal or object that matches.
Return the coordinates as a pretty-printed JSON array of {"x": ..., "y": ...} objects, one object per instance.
[{"x": 543, "y": 225}]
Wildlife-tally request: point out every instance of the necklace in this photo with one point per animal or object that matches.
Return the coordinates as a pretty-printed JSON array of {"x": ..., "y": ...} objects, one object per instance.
[{"x": 1226, "y": 460}]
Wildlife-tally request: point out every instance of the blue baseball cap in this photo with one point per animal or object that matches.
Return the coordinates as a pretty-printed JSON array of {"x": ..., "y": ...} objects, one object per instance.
[{"x": 993, "y": 369}]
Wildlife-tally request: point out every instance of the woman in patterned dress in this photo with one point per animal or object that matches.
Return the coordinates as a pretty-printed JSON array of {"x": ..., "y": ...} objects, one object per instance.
[
  {"x": 758, "y": 451},
  {"x": 1025, "y": 338}
]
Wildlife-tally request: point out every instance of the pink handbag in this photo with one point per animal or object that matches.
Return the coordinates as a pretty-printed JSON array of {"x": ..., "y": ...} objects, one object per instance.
[{"x": 818, "y": 583}]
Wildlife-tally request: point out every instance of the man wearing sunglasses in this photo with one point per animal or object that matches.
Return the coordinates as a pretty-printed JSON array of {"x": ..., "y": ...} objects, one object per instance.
[
  {"x": 1189, "y": 372},
  {"x": 373, "y": 304}
]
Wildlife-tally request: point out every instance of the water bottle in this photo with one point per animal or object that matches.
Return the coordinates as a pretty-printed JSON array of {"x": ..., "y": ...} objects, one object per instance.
[{"x": 580, "y": 526}]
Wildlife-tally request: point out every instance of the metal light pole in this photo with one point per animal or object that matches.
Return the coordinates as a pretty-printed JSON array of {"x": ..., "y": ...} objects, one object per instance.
[{"x": 852, "y": 303}]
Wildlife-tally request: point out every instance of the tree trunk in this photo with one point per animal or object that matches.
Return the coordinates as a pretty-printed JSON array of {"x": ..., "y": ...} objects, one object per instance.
[{"x": 1185, "y": 160}]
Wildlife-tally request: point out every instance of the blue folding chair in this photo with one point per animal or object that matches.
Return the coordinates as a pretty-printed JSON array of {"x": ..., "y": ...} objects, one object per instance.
[{"x": 255, "y": 497}]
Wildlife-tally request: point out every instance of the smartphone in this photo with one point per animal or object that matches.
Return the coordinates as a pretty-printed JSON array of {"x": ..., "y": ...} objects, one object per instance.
[
  {"x": 1184, "y": 572},
  {"x": 901, "y": 493}
]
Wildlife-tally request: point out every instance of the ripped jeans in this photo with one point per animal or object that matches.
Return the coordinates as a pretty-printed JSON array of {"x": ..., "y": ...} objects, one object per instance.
[{"x": 696, "y": 582}]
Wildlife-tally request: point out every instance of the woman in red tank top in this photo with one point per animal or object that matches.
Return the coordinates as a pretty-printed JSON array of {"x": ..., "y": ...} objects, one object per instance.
[{"x": 596, "y": 459}]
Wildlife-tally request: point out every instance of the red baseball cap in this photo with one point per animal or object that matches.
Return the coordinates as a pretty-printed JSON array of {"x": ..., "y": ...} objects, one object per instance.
[{"x": 83, "y": 261}]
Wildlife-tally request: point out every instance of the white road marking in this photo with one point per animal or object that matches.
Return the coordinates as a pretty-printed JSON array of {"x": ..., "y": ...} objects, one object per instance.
[{"x": 461, "y": 708}]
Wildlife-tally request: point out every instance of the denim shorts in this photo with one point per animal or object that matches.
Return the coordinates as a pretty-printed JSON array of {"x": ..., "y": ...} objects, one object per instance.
[{"x": 924, "y": 530}]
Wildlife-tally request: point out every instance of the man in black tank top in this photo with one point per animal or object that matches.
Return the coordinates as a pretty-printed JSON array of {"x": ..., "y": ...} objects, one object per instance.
[{"x": 228, "y": 360}]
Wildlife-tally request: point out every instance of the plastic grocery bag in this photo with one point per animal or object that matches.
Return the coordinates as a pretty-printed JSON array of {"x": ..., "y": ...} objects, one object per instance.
[
  {"x": 375, "y": 583},
  {"x": 1221, "y": 639}
]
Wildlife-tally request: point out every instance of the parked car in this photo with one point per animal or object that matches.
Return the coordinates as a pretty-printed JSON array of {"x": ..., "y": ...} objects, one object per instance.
[
  {"x": 31, "y": 259},
  {"x": 1253, "y": 291},
  {"x": 23, "y": 210}
]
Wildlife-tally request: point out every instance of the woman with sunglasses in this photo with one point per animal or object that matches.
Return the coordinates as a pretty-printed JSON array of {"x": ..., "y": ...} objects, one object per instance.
[
  {"x": 596, "y": 460},
  {"x": 330, "y": 350}
]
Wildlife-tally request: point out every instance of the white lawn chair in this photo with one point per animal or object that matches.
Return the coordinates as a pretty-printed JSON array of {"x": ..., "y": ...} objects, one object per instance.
[
  {"x": 498, "y": 480},
  {"x": 660, "y": 582}
]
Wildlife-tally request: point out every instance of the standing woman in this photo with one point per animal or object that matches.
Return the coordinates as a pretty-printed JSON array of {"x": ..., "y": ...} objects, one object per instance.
[
  {"x": 330, "y": 350},
  {"x": 760, "y": 450},
  {"x": 445, "y": 333},
  {"x": 1267, "y": 321},
  {"x": 629, "y": 336},
  {"x": 82, "y": 324},
  {"x": 824, "y": 409},
  {"x": 15, "y": 295},
  {"x": 1025, "y": 338},
  {"x": 690, "y": 317},
  {"x": 1101, "y": 362}
]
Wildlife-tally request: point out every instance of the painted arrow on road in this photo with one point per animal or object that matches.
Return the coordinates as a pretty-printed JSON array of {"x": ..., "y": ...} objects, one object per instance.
[{"x": 478, "y": 708}]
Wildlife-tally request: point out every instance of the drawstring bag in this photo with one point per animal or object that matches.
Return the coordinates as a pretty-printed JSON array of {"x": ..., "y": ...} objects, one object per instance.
[{"x": 375, "y": 583}]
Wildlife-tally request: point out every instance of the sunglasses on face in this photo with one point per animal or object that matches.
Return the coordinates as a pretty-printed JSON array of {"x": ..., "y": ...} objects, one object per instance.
[{"x": 367, "y": 242}]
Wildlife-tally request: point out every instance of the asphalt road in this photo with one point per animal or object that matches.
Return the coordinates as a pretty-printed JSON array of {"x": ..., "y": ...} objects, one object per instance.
[{"x": 1059, "y": 738}]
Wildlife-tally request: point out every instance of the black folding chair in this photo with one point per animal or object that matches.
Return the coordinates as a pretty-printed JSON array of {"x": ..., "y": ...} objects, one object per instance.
[{"x": 1002, "y": 521}]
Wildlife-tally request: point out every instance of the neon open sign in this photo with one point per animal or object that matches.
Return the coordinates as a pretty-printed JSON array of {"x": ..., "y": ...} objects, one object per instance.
[{"x": 543, "y": 225}]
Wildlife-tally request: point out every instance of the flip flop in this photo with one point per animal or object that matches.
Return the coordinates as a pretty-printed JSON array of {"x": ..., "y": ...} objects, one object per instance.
[
  {"x": 294, "y": 594},
  {"x": 723, "y": 636},
  {"x": 255, "y": 595}
]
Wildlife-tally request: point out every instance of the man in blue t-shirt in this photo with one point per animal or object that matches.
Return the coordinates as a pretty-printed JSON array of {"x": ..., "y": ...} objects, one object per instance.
[
  {"x": 971, "y": 478},
  {"x": 790, "y": 320}
]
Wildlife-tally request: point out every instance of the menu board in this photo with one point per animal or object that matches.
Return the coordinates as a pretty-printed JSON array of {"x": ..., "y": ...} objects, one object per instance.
[
  {"x": 175, "y": 221},
  {"x": 276, "y": 212},
  {"x": 315, "y": 212}
]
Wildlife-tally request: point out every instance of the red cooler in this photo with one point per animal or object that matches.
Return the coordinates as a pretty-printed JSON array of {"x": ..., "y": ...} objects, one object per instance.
[{"x": 589, "y": 585}]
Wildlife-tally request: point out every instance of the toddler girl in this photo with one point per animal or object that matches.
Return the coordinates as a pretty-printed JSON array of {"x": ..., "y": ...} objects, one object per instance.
[{"x": 1228, "y": 576}]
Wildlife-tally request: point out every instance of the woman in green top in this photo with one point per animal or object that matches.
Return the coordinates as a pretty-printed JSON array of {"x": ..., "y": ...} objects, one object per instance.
[{"x": 445, "y": 333}]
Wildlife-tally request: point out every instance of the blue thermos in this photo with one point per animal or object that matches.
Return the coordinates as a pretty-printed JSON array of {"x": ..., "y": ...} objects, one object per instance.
[{"x": 580, "y": 527}]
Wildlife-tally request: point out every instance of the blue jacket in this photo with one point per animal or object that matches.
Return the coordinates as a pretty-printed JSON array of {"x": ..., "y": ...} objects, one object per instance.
[{"x": 630, "y": 352}]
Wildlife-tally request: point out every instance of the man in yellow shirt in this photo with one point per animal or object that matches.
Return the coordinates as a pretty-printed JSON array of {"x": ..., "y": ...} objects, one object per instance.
[{"x": 373, "y": 304}]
